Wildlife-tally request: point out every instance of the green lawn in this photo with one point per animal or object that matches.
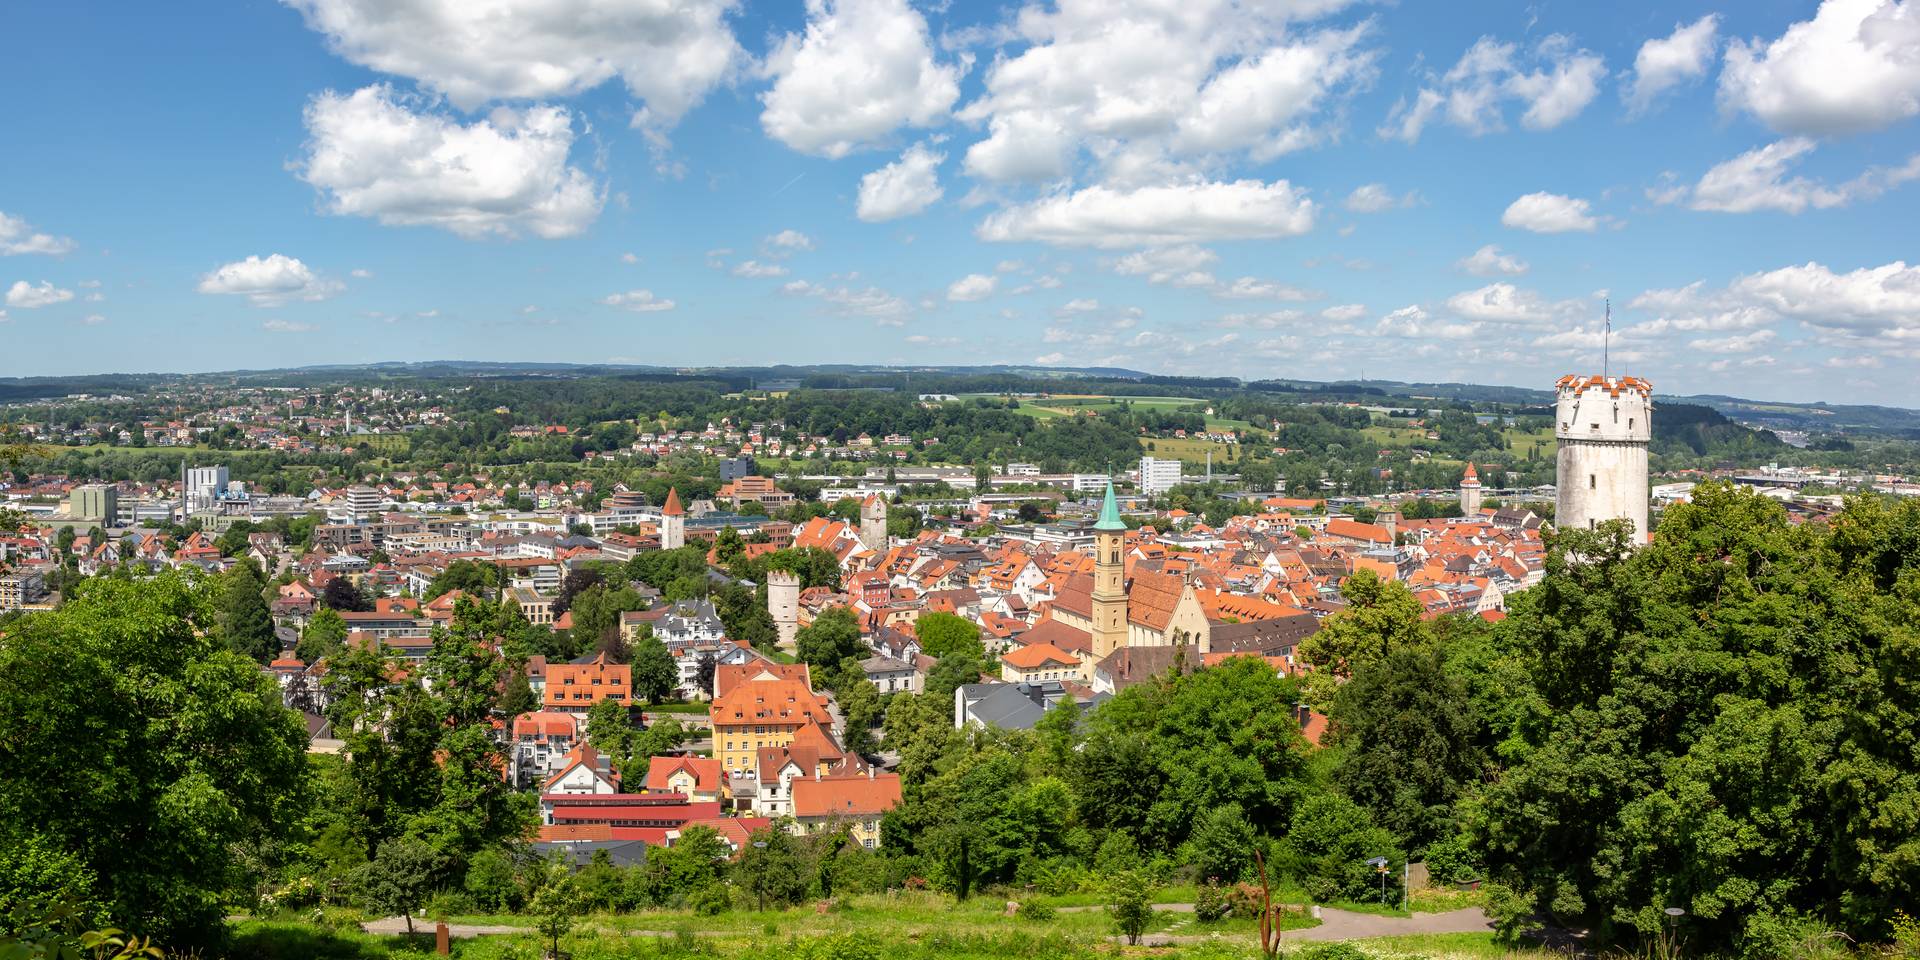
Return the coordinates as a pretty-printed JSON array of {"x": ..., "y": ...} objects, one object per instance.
[{"x": 687, "y": 708}]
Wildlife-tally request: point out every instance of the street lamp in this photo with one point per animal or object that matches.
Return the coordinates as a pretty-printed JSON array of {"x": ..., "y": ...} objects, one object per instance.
[{"x": 1671, "y": 947}]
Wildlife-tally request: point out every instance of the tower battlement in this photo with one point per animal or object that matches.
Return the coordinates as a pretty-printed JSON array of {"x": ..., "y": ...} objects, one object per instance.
[
  {"x": 1604, "y": 425},
  {"x": 1604, "y": 409}
]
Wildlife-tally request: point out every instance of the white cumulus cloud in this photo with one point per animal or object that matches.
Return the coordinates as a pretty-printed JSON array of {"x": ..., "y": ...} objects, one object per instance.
[
  {"x": 1760, "y": 180},
  {"x": 1666, "y": 62},
  {"x": 862, "y": 69},
  {"x": 1506, "y": 303},
  {"x": 1413, "y": 323},
  {"x": 901, "y": 188},
  {"x": 270, "y": 281},
  {"x": 754, "y": 268},
  {"x": 1733, "y": 343},
  {"x": 1549, "y": 213},
  {"x": 1196, "y": 211},
  {"x": 669, "y": 53},
  {"x": 1135, "y": 82},
  {"x": 884, "y": 308},
  {"x": 1854, "y": 67},
  {"x": 973, "y": 286},
  {"x": 1553, "y": 80},
  {"x": 370, "y": 154},
  {"x": 18, "y": 237},
  {"x": 1373, "y": 198},
  {"x": 637, "y": 301},
  {"x": 1253, "y": 288},
  {"x": 1162, "y": 264},
  {"x": 1488, "y": 261},
  {"x": 1873, "y": 307},
  {"x": 787, "y": 242},
  {"x": 29, "y": 296},
  {"x": 285, "y": 326}
]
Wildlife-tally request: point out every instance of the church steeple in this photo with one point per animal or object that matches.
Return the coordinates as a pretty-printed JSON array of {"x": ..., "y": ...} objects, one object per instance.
[
  {"x": 1110, "y": 513},
  {"x": 1109, "y": 579}
]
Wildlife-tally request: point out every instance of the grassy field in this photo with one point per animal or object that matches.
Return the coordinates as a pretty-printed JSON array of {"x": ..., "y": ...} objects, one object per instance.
[
  {"x": 1192, "y": 451},
  {"x": 386, "y": 442},
  {"x": 1395, "y": 434},
  {"x": 1063, "y": 404}
]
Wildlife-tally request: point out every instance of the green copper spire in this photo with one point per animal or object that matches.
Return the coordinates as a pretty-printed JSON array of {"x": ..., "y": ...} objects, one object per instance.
[{"x": 1109, "y": 513}]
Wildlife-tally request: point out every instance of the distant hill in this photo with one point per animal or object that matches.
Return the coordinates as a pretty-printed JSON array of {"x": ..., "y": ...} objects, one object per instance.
[
  {"x": 1691, "y": 428},
  {"x": 1773, "y": 415}
]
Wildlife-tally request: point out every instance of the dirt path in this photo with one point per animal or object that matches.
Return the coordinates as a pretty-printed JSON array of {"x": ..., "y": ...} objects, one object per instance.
[
  {"x": 1341, "y": 925},
  {"x": 397, "y": 926}
]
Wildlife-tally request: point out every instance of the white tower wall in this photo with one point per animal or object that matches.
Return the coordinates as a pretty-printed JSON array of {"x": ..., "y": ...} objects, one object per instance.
[
  {"x": 783, "y": 604},
  {"x": 1604, "y": 425},
  {"x": 873, "y": 523}
]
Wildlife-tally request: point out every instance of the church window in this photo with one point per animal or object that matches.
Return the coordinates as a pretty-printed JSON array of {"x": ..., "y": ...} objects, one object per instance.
[{"x": 1593, "y": 481}]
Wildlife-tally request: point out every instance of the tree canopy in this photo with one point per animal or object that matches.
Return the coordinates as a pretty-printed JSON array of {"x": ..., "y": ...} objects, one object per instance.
[{"x": 140, "y": 747}]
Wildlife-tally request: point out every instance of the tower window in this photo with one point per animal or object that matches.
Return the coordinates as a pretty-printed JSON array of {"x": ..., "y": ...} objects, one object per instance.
[{"x": 1593, "y": 481}]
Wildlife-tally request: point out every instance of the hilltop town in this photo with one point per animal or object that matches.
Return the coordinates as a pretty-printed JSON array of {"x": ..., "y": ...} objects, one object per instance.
[{"x": 688, "y": 631}]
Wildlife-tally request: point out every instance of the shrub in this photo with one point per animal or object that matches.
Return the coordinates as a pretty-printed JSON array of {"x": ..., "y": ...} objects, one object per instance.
[
  {"x": 1057, "y": 878},
  {"x": 1244, "y": 901},
  {"x": 1327, "y": 846},
  {"x": 451, "y": 903},
  {"x": 709, "y": 900},
  {"x": 491, "y": 880},
  {"x": 1036, "y": 910},
  {"x": 841, "y": 946},
  {"x": 1332, "y": 951},
  {"x": 1906, "y": 936},
  {"x": 1132, "y": 905},
  {"x": 1454, "y": 859},
  {"x": 1220, "y": 848},
  {"x": 1212, "y": 904}
]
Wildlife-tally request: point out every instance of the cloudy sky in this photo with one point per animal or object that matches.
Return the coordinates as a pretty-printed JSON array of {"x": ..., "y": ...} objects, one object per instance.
[{"x": 1304, "y": 188}]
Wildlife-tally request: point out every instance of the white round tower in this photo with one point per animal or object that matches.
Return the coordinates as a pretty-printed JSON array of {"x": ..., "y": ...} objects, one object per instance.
[
  {"x": 783, "y": 604},
  {"x": 1604, "y": 425},
  {"x": 873, "y": 522}
]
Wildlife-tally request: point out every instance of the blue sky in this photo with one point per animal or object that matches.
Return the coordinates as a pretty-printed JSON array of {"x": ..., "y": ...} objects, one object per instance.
[{"x": 1295, "y": 188}]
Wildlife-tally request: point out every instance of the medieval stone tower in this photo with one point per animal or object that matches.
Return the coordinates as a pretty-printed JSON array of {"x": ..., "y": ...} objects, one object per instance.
[
  {"x": 1604, "y": 425},
  {"x": 673, "y": 522},
  {"x": 783, "y": 603},
  {"x": 1470, "y": 493},
  {"x": 873, "y": 522},
  {"x": 1109, "y": 579}
]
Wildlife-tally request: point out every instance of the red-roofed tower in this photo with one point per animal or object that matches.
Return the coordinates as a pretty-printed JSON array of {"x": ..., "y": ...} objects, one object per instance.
[
  {"x": 1470, "y": 493},
  {"x": 673, "y": 522}
]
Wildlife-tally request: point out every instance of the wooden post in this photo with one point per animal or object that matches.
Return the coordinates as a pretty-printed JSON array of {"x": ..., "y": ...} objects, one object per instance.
[
  {"x": 442, "y": 940},
  {"x": 1269, "y": 937}
]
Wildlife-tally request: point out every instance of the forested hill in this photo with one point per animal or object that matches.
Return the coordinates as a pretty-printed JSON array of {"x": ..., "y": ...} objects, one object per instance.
[{"x": 1684, "y": 428}]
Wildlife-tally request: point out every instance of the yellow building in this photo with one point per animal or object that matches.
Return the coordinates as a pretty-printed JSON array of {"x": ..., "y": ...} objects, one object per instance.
[{"x": 761, "y": 705}]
